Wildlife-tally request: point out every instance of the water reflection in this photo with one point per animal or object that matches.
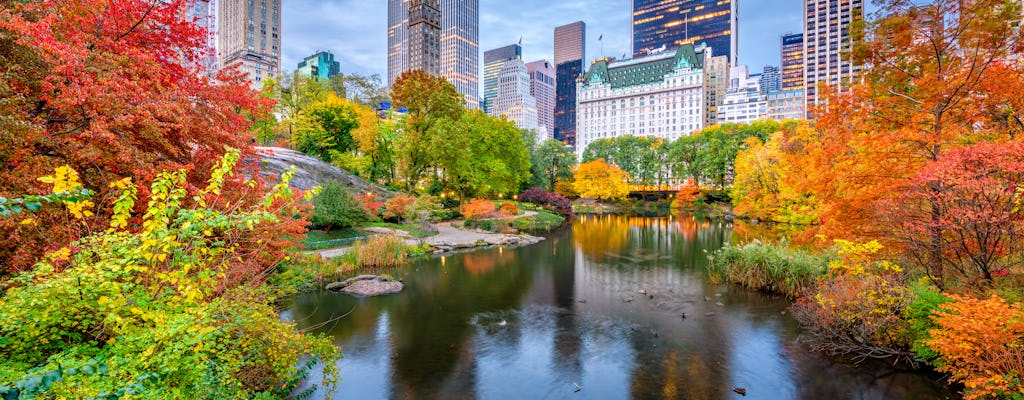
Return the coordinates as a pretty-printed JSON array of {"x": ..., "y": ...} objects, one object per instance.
[{"x": 600, "y": 307}]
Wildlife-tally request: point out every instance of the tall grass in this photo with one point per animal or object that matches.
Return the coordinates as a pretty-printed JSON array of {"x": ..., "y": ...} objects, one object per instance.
[
  {"x": 379, "y": 252},
  {"x": 773, "y": 268}
]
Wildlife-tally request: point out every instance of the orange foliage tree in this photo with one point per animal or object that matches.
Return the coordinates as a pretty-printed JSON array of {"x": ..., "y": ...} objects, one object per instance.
[
  {"x": 769, "y": 175},
  {"x": 981, "y": 344},
  {"x": 600, "y": 180},
  {"x": 113, "y": 89},
  {"x": 478, "y": 209},
  {"x": 937, "y": 77}
]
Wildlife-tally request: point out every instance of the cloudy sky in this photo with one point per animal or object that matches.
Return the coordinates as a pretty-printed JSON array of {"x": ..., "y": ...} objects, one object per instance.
[{"x": 356, "y": 30}]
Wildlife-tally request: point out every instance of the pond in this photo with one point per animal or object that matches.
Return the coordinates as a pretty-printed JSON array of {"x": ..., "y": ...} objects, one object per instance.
[{"x": 612, "y": 307}]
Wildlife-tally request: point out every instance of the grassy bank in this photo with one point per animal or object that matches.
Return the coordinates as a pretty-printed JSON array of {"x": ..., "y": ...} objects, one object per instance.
[
  {"x": 773, "y": 268},
  {"x": 379, "y": 255}
]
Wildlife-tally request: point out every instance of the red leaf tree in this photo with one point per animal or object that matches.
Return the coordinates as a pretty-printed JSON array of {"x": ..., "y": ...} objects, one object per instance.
[{"x": 113, "y": 89}]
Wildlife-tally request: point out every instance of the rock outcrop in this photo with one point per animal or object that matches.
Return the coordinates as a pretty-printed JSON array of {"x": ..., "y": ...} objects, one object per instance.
[
  {"x": 311, "y": 172},
  {"x": 367, "y": 286}
]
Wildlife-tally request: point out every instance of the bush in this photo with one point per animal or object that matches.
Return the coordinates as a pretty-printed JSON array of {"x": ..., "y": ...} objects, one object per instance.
[
  {"x": 980, "y": 343},
  {"x": 860, "y": 309},
  {"x": 687, "y": 196},
  {"x": 478, "y": 209},
  {"x": 773, "y": 268},
  {"x": 335, "y": 207},
  {"x": 371, "y": 203},
  {"x": 509, "y": 208},
  {"x": 426, "y": 209},
  {"x": 397, "y": 208},
  {"x": 551, "y": 201}
]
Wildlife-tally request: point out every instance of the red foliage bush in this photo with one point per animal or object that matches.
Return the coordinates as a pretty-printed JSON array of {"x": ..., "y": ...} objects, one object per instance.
[
  {"x": 397, "y": 208},
  {"x": 551, "y": 201},
  {"x": 371, "y": 203},
  {"x": 478, "y": 209},
  {"x": 509, "y": 208}
]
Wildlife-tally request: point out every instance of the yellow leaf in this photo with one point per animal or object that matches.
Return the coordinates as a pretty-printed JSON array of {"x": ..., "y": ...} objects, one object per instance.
[
  {"x": 103, "y": 300},
  {"x": 28, "y": 221}
]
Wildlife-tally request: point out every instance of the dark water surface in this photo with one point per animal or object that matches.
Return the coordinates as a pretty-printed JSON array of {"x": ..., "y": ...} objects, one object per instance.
[{"x": 535, "y": 322}]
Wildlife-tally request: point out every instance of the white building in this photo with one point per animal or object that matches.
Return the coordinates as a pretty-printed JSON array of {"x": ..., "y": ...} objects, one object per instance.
[
  {"x": 513, "y": 98},
  {"x": 542, "y": 87},
  {"x": 659, "y": 95},
  {"x": 744, "y": 102}
]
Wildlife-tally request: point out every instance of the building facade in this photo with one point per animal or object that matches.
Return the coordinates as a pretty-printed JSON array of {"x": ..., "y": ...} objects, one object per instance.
[
  {"x": 744, "y": 101},
  {"x": 249, "y": 35},
  {"x": 320, "y": 65},
  {"x": 494, "y": 61},
  {"x": 438, "y": 37},
  {"x": 659, "y": 95},
  {"x": 398, "y": 39},
  {"x": 827, "y": 44},
  {"x": 786, "y": 104},
  {"x": 673, "y": 23},
  {"x": 425, "y": 36},
  {"x": 460, "y": 47},
  {"x": 570, "y": 51},
  {"x": 542, "y": 88},
  {"x": 770, "y": 80},
  {"x": 716, "y": 82},
  {"x": 204, "y": 14},
  {"x": 792, "y": 61},
  {"x": 513, "y": 99}
]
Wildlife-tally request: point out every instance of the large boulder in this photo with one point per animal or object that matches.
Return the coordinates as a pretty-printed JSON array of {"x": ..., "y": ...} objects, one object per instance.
[
  {"x": 311, "y": 171},
  {"x": 367, "y": 286}
]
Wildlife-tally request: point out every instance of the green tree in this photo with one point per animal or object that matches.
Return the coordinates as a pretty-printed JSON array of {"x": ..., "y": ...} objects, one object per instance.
[
  {"x": 643, "y": 158},
  {"x": 481, "y": 155},
  {"x": 710, "y": 155},
  {"x": 335, "y": 207},
  {"x": 428, "y": 100},
  {"x": 324, "y": 129},
  {"x": 552, "y": 162}
]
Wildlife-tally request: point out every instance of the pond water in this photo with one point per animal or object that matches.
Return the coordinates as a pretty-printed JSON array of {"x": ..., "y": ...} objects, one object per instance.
[{"x": 594, "y": 312}]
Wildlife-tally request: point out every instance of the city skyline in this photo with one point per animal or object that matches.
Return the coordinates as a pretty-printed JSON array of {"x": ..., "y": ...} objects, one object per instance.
[{"x": 356, "y": 31}]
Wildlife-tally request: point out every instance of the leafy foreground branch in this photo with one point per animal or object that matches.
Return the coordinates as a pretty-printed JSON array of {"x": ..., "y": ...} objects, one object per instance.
[{"x": 167, "y": 310}]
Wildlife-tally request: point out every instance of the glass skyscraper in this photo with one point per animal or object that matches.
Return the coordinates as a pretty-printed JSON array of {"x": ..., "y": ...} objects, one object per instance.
[
  {"x": 793, "y": 61},
  {"x": 570, "y": 51},
  {"x": 673, "y": 23}
]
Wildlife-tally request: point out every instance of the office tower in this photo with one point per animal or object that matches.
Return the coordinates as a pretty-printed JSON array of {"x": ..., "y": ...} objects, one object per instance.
[
  {"x": 456, "y": 24},
  {"x": 673, "y": 23},
  {"x": 320, "y": 65},
  {"x": 398, "y": 39},
  {"x": 716, "y": 82},
  {"x": 494, "y": 61},
  {"x": 827, "y": 44},
  {"x": 771, "y": 79},
  {"x": 460, "y": 47},
  {"x": 250, "y": 35},
  {"x": 792, "y": 61},
  {"x": 744, "y": 101},
  {"x": 513, "y": 99},
  {"x": 542, "y": 88},
  {"x": 570, "y": 51},
  {"x": 660, "y": 95},
  {"x": 425, "y": 36},
  {"x": 204, "y": 14}
]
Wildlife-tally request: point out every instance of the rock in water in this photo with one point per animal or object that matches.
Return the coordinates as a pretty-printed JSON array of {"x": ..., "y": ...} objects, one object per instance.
[{"x": 367, "y": 286}]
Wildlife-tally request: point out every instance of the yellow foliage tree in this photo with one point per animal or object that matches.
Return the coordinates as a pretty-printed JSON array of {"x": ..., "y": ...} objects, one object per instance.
[
  {"x": 767, "y": 183},
  {"x": 600, "y": 180}
]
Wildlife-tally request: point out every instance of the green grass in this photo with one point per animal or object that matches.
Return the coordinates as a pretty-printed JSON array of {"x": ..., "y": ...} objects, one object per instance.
[
  {"x": 415, "y": 230},
  {"x": 769, "y": 267},
  {"x": 543, "y": 221}
]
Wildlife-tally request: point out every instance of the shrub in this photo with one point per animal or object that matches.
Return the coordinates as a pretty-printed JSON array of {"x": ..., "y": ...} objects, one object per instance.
[
  {"x": 371, "y": 203},
  {"x": 981, "y": 344},
  {"x": 551, "y": 201},
  {"x": 426, "y": 209},
  {"x": 774, "y": 268},
  {"x": 478, "y": 209},
  {"x": 509, "y": 208},
  {"x": 335, "y": 207},
  {"x": 687, "y": 195},
  {"x": 860, "y": 309},
  {"x": 397, "y": 208}
]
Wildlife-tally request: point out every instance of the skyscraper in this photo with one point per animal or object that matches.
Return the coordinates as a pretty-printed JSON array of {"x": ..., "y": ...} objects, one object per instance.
[
  {"x": 792, "y": 61},
  {"x": 827, "y": 43},
  {"x": 460, "y": 47},
  {"x": 570, "y": 51},
  {"x": 425, "y": 36},
  {"x": 441, "y": 38},
  {"x": 542, "y": 88},
  {"x": 494, "y": 60},
  {"x": 250, "y": 34},
  {"x": 203, "y": 14},
  {"x": 771, "y": 79},
  {"x": 673, "y": 23},
  {"x": 320, "y": 65},
  {"x": 398, "y": 39}
]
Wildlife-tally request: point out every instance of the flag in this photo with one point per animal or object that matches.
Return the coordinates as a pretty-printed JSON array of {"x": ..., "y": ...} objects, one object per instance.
[
  {"x": 599, "y": 37},
  {"x": 520, "y": 40}
]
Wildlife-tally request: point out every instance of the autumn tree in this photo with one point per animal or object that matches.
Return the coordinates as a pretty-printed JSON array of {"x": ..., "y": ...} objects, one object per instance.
[
  {"x": 936, "y": 77},
  {"x": 324, "y": 128},
  {"x": 113, "y": 89},
  {"x": 428, "y": 100},
  {"x": 600, "y": 180},
  {"x": 767, "y": 179}
]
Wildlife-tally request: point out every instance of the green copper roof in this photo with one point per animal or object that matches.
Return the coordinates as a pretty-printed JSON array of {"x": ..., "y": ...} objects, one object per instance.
[{"x": 644, "y": 70}]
